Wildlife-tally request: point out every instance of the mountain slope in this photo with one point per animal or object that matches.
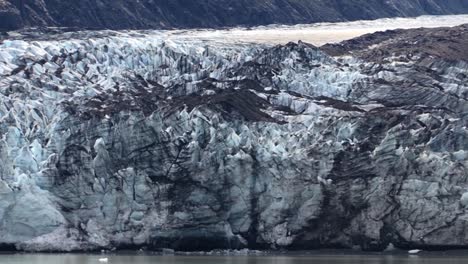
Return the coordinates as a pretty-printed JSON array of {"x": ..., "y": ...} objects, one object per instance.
[{"x": 122, "y": 14}]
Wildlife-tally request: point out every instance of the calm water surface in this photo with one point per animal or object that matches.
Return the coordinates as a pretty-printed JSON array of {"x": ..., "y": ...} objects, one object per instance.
[{"x": 310, "y": 259}]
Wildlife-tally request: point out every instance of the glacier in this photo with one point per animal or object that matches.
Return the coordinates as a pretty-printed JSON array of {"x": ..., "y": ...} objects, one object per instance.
[{"x": 135, "y": 139}]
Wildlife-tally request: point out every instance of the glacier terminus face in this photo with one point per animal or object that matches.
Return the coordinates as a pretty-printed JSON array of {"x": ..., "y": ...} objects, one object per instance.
[{"x": 117, "y": 139}]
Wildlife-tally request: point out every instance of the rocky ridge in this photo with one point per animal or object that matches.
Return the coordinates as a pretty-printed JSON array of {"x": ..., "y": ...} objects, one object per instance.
[
  {"x": 447, "y": 43},
  {"x": 127, "y": 140}
]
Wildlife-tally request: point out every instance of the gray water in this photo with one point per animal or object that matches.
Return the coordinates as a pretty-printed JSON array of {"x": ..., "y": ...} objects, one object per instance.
[{"x": 309, "y": 259}]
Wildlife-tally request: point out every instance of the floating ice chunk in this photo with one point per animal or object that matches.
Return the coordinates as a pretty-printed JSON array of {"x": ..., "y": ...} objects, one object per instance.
[
  {"x": 390, "y": 247},
  {"x": 168, "y": 252},
  {"x": 414, "y": 251}
]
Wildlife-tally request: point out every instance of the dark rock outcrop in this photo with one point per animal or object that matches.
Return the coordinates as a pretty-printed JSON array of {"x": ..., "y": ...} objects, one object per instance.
[
  {"x": 441, "y": 43},
  {"x": 211, "y": 13}
]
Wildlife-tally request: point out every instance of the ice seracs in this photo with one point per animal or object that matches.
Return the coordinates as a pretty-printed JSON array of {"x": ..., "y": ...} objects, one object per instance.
[
  {"x": 464, "y": 199},
  {"x": 154, "y": 142}
]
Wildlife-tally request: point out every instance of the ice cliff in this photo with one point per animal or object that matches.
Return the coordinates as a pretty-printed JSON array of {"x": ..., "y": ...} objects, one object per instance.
[{"x": 136, "y": 140}]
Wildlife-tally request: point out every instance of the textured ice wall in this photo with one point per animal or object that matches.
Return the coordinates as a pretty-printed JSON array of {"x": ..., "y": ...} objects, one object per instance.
[{"x": 141, "y": 140}]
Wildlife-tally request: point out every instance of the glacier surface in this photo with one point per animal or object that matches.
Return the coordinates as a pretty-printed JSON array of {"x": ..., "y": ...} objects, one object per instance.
[{"x": 143, "y": 140}]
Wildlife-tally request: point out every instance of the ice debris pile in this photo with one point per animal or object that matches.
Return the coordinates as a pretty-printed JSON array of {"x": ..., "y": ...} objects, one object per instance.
[{"x": 134, "y": 140}]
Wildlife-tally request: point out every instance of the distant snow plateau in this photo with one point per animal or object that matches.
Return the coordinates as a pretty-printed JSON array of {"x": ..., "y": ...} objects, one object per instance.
[{"x": 319, "y": 33}]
